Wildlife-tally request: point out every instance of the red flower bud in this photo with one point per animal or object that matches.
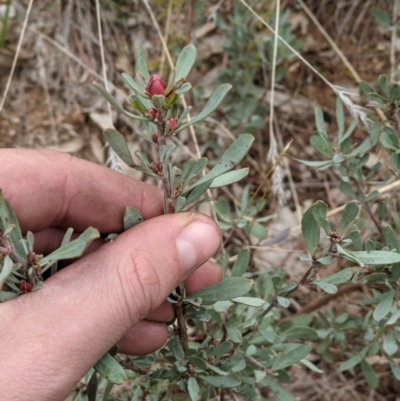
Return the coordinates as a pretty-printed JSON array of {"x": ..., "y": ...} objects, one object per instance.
[
  {"x": 153, "y": 113},
  {"x": 154, "y": 137},
  {"x": 25, "y": 287},
  {"x": 156, "y": 86},
  {"x": 172, "y": 123}
]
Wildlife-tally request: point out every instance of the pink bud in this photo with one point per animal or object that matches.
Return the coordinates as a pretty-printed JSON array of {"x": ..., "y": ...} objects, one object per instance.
[
  {"x": 154, "y": 137},
  {"x": 25, "y": 287},
  {"x": 172, "y": 123},
  {"x": 153, "y": 113},
  {"x": 156, "y": 86}
]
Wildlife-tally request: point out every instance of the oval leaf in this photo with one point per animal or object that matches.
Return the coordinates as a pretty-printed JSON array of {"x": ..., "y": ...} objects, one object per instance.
[
  {"x": 310, "y": 230},
  {"x": 229, "y": 178},
  {"x": 349, "y": 214},
  {"x": 231, "y": 157},
  {"x": 228, "y": 381},
  {"x": 227, "y": 289},
  {"x": 376, "y": 257},
  {"x": 185, "y": 62},
  {"x": 384, "y": 305},
  {"x": 73, "y": 249},
  {"x": 250, "y": 301},
  {"x": 110, "y": 369},
  {"x": 132, "y": 217},
  {"x": 292, "y": 357},
  {"x": 213, "y": 102},
  {"x": 327, "y": 287},
  {"x": 118, "y": 143}
]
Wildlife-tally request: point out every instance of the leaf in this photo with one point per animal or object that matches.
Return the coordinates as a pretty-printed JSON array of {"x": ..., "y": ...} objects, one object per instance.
[
  {"x": 320, "y": 122},
  {"x": 193, "y": 388},
  {"x": 197, "y": 191},
  {"x": 6, "y": 270},
  {"x": 320, "y": 210},
  {"x": 282, "y": 301},
  {"x": 197, "y": 362},
  {"x": 118, "y": 143},
  {"x": 132, "y": 217},
  {"x": 250, "y": 301},
  {"x": 376, "y": 257},
  {"x": 228, "y": 381},
  {"x": 229, "y": 178},
  {"x": 327, "y": 287},
  {"x": 340, "y": 118},
  {"x": 383, "y": 85},
  {"x": 395, "y": 371},
  {"x": 227, "y": 289},
  {"x": 213, "y": 102},
  {"x": 300, "y": 333},
  {"x": 320, "y": 143},
  {"x": 110, "y": 369},
  {"x": 349, "y": 215},
  {"x": 384, "y": 306},
  {"x": 73, "y": 249},
  {"x": 340, "y": 277},
  {"x": 348, "y": 190},
  {"x": 231, "y": 157},
  {"x": 291, "y": 357},
  {"x": 350, "y": 130},
  {"x": 132, "y": 84},
  {"x": 91, "y": 387},
  {"x": 310, "y": 230},
  {"x": 183, "y": 89},
  {"x": 390, "y": 238},
  {"x": 350, "y": 363},
  {"x": 185, "y": 62},
  {"x": 366, "y": 88},
  {"x": 323, "y": 164},
  {"x": 241, "y": 263},
  {"x": 390, "y": 344},
  {"x": 222, "y": 349},
  {"x": 280, "y": 392},
  {"x": 141, "y": 62},
  {"x": 381, "y": 17},
  {"x": 7, "y": 217},
  {"x": 175, "y": 347},
  {"x": 110, "y": 99}
]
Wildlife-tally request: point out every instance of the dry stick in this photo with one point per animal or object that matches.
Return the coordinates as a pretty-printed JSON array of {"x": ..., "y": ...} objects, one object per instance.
[
  {"x": 14, "y": 63},
  {"x": 166, "y": 34},
  {"x": 319, "y": 303}
]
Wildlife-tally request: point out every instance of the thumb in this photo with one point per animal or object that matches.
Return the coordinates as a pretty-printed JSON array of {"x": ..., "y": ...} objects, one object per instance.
[{"x": 86, "y": 308}]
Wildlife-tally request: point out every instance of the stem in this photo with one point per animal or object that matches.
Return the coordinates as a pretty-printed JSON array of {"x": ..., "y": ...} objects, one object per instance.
[
  {"x": 365, "y": 203},
  {"x": 170, "y": 208}
]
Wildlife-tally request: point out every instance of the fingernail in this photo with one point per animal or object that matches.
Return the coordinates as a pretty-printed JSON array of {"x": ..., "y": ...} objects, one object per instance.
[{"x": 196, "y": 243}]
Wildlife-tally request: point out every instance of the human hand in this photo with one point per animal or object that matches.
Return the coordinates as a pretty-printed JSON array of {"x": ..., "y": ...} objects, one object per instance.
[{"x": 115, "y": 294}]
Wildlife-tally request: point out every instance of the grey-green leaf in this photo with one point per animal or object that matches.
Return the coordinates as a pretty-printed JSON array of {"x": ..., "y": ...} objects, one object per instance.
[
  {"x": 6, "y": 270},
  {"x": 229, "y": 178},
  {"x": 300, "y": 333},
  {"x": 241, "y": 263},
  {"x": 7, "y": 217},
  {"x": 132, "y": 216},
  {"x": 310, "y": 230},
  {"x": 110, "y": 369},
  {"x": 231, "y": 157},
  {"x": 320, "y": 210},
  {"x": 185, "y": 62},
  {"x": 384, "y": 306},
  {"x": 349, "y": 215},
  {"x": 350, "y": 363},
  {"x": 376, "y": 257},
  {"x": 227, "y": 289},
  {"x": 340, "y": 277},
  {"x": 249, "y": 301},
  {"x": 327, "y": 287},
  {"x": 291, "y": 357},
  {"x": 73, "y": 249},
  {"x": 110, "y": 99},
  {"x": 141, "y": 62},
  {"x": 213, "y": 102},
  {"x": 228, "y": 381},
  {"x": 193, "y": 388},
  {"x": 118, "y": 143}
]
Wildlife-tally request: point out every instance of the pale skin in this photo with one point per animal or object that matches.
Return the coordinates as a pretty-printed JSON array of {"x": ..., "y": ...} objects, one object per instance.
[{"x": 115, "y": 294}]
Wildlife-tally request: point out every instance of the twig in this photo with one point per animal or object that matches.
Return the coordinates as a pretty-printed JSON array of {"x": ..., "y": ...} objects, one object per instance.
[
  {"x": 393, "y": 38},
  {"x": 14, "y": 63}
]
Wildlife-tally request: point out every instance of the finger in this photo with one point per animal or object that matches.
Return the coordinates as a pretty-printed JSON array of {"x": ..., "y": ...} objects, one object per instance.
[
  {"x": 49, "y": 188},
  {"x": 144, "y": 338},
  {"x": 86, "y": 308},
  {"x": 208, "y": 274}
]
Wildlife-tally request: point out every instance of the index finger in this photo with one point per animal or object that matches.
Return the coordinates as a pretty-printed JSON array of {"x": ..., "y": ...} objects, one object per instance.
[{"x": 49, "y": 188}]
